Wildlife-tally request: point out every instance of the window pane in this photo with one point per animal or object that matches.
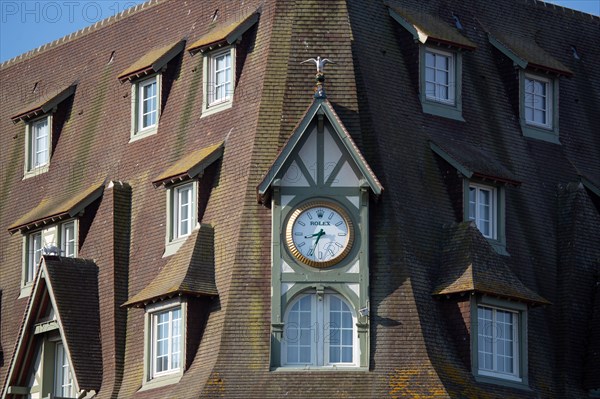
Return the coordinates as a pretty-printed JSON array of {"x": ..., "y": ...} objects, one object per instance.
[{"x": 39, "y": 143}]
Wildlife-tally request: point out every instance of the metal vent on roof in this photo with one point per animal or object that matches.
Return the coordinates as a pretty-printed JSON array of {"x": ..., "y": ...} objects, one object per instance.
[
  {"x": 112, "y": 57},
  {"x": 215, "y": 15},
  {"x": 575, "y": 53}
]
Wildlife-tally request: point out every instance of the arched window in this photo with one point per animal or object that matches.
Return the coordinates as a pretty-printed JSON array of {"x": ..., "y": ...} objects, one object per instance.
[{"x": 320, "y": 331}]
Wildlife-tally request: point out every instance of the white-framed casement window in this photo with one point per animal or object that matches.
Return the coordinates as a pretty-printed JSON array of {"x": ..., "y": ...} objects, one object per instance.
[
  {"x": 440, "y": 76},
  {"x": 320, "y": 332},
  {"x": 440, "y": 82},
  {"x": 165, "y": 341},
  {"x": 538, "y": 101},
  {"x": 499, "y": 341},
  {"x": 39, "y": 142},
  {"x": 146, "y": 94},
  {"x": 483, "y": 209},
  {"x": 183, "y": 210},
  {"x": 219, "y": 67},
  {"x": 57, "y": 239},
  {"x": 63, "y": 378},
  {"x": 539, "y": 106}
]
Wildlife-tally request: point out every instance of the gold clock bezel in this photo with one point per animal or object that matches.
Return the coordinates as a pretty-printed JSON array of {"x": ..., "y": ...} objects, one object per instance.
[{"x": 316, "y": 204}]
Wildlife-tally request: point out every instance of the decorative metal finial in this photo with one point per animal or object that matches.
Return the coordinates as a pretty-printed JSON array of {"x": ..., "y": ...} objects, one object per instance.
[{"x": 320, "y": 76}]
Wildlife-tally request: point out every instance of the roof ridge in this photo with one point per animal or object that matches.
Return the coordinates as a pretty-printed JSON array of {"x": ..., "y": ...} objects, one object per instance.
[
  {"x": 81, "y": 32},
  {"x": 566, "y": 10}
]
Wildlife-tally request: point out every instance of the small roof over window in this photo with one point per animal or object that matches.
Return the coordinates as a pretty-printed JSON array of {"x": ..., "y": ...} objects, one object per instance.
[
  {"x": 70, "y": 287},
  {"x": 63, "y": 204},
  {"x": 191, "y": 165},
  {"x": 191, "y": 271},
  {"x": 425, "y": 28},
  {"x": 472, "y": 162},
  {"x": 470, "y": 264},
  {"x": 224, "y": 34},
  {"x": 46, "y": 102},
  {"x": 526, "y": 53},
  {"x": 152, "y": 62}
]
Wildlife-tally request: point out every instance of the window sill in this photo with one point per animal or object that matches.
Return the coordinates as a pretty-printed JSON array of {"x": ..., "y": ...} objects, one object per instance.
[
  {"x": 499, "y": 247},
  {"x": 143, "y": 133},
  {"x": 538, "y": 133},
  {"x": 326, "y": 369},
  {"x": 213, "y": 109},
  {"x": 173, "y": 246},
  {"x": 522, "y": 384},
  {"x": 36, "y": 171},
  {"x": 162, "y": 381},
  {"x": 25, "y": 290},
  {"x": 442, "y": 109}
]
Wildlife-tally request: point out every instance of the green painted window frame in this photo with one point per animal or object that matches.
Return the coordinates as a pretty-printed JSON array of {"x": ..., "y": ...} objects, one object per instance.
[
  {"x": 136, "y": 100},
  {"x": 499, "y": 240},
  {"x": 208, "y": 107},
  {"x": 442, "y": 108},
  {"x": 150, "y": 380},
  {"x": 548, "y": 133},
  {"x": 30, "y": 169},
  {"x": 521, "y": 310}
]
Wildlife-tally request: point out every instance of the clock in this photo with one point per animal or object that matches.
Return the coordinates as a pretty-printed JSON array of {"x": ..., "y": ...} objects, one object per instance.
[{"x": 319, "y": 233}]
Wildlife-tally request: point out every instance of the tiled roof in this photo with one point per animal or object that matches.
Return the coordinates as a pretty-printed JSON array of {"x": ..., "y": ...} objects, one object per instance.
[
  {"x": 470, "y": 264},
  {"x": 44, "y": 103},
  {"x": 189, "y": 272},
  {"x": 72, "y": 289},
  {"x": 472, "y": 161},
  {"x": 74, "y": 285},
  {"x": 152, "y": 61},
  {"x": 525, "y": 52},
  {"x": 63, "y": 203},
  {"x": 226, "y": 33},
  {"x": 426, "y": 27},
  {"x": 191, "y": 165}
]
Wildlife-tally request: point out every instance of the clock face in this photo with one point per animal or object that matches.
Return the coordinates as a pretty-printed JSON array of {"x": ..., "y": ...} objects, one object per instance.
[{"x": 319, "y": 234}]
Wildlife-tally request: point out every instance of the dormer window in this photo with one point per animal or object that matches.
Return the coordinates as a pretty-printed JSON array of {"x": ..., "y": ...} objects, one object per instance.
[
  {"x": 440, "y": 78},
  {"x": 39, "y": 119},
  {"x": 483, "y": 209},
  {"x": 146, "y": 77},
  {"x": 538, "y": 101},
  {"x": 220, "y": 77}
]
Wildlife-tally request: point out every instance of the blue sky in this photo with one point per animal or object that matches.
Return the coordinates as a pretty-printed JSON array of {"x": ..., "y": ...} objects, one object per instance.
[{"x": 27, "y": 24}]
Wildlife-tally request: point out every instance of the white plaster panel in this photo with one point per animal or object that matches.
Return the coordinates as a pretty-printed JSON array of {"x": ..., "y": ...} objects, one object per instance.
[
  {"x": 354, "y": 200},
  {"x": 294, "y": 177},
  {"x": 285, "y": 287},
  {"x": 345, "y": 177},
  {"x": 355, "y": 288},
  {"x": 332, "y": 154},
  {"x": 285, "y": 199},
  {"x": 308, "y": 154},
  {"x": 285, "y": 268},
  {"x": 354, "y": 268}
]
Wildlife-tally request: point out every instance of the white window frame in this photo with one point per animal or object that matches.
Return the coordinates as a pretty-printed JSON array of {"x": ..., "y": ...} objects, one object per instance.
[
  {"x": 320, "y": 330},
  {"x": 209, "y": 104},
  {"x": 519, "y": 378},
  {"x": 65, "y": 240},
  {"x": 31, "y": 148},
  {"x": 493, "y": 209},
  {"x": 528, "y": 82},
  {"x": 177, "y": 210},
  {"x": 451, "y": 100},
  {"x": 137, "y": 106},
  {"x": 152, "y": 378},
  {"x": 485, "y": 328},
  {"x": 63, "y": 377},
  {"x": 32, "y": 255}
]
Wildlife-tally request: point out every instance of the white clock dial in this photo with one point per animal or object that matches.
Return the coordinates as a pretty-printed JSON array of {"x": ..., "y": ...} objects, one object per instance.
[{"x": 319, "y": 234}]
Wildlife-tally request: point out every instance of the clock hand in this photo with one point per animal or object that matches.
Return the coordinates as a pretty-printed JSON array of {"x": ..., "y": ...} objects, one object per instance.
[
  {"x": 319, "y": 234},
  {"x": 312, "y": 235}
]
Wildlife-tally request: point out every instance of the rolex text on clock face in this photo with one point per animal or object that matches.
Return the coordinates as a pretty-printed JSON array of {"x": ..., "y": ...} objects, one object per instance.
[{"x": 319, "y": 234}]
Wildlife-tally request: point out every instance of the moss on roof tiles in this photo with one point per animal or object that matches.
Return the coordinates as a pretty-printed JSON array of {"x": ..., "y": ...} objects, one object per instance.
[
  {"x": 45, "y": 102},
  {"x": 470, "y": 264},
  {"x": 190, "y": 271},
  {"x": 61, "y": 203},
  {"x": 430, "y": 27},
  {"x": 160, "y": 55},
  {"x": 192, "y": 164},
  {"x": 218, "y": 34}
]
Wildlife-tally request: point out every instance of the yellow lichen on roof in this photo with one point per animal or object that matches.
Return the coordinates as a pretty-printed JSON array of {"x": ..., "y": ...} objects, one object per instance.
[
  {"x": 61, "y": 204},
  {"x": 219, "y": 33},
  {"x": 146, "y": 60},
  {"x": 191, "y": 160},
  {"x": 430, "y": 27}
]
